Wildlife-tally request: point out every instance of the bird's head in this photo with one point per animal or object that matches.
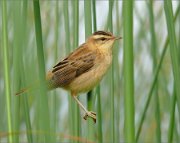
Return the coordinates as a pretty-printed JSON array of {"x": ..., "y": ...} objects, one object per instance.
[{"x": 103, "y": 39}]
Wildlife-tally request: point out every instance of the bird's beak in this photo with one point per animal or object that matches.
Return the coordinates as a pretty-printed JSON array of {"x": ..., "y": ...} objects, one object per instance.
[{"x": 117, "y": 38}]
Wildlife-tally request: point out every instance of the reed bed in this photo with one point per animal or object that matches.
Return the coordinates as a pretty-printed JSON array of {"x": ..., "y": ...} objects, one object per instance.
[{"x": 137, "y": 101}]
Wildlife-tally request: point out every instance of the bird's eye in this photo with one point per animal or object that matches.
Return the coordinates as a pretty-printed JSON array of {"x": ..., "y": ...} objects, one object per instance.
[{"x": 103, "y": 39}]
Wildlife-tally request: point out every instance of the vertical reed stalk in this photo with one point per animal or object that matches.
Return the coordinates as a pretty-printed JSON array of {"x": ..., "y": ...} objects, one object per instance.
[
  {"x": 98, "y": 89},
  {"x": 88, "y": 32},
  {"x": 173, "y": 48},
  {"x": 154, "y": 81},
  {"x": 128, "y": 71},
  {"x": 117, "y": 76},
  {"x": 75, "y": 45},
  {"x": 17, "y": 19},
  {"x": 25, "y": 104},
  {"x": 154, "y": 57},
  {"x": 6, "y": 70},
  {"x": 54, "y": 99},
  {"x": 18, "y": 67},
  {"x": 110, "y": 25},
  {"x": 43, "y": 102},
  {"x": 68, "y": 49}
]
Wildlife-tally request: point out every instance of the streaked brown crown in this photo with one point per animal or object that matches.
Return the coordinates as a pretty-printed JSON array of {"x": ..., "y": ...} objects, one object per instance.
[
  {"x": 103, "y": 33},
  {"x": 101, "y": 37}
]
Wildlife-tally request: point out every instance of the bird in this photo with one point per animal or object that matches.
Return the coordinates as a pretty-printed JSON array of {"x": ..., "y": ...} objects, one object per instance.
[{"x": 83, "y": 68}]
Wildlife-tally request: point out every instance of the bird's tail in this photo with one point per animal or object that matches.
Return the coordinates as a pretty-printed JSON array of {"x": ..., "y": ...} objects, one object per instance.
[
  {"x": 32, "y": 87},
  {"x": 48, "y": 84},
  {"x": 24, "y": 90}
]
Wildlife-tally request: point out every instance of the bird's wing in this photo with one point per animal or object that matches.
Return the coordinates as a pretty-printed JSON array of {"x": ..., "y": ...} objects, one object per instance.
[{"x": 77, "y": 63}]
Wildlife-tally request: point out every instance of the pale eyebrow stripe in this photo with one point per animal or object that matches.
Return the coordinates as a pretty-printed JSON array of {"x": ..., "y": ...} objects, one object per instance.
[{"x": 101, "y": 36}]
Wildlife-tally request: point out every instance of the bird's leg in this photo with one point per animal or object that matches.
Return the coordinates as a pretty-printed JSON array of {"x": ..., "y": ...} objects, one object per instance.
[{"x": 88, "y": 113}]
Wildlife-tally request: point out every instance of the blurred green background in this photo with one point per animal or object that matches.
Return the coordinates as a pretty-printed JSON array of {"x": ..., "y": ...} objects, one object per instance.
[{"x": 137, "y": 101}]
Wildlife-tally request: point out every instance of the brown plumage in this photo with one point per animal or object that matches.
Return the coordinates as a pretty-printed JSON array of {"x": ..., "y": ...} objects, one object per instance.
[
  {"x": 77, "y": 63},
  {"x": 83, "y": 69}
]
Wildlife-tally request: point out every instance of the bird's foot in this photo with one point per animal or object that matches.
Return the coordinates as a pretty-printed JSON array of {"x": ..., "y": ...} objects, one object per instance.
[{"x": 90, "y": 114}]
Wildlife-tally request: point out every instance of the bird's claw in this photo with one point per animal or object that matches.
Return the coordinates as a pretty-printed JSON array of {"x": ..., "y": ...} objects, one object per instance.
[{"x": 90, "y": 114}]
